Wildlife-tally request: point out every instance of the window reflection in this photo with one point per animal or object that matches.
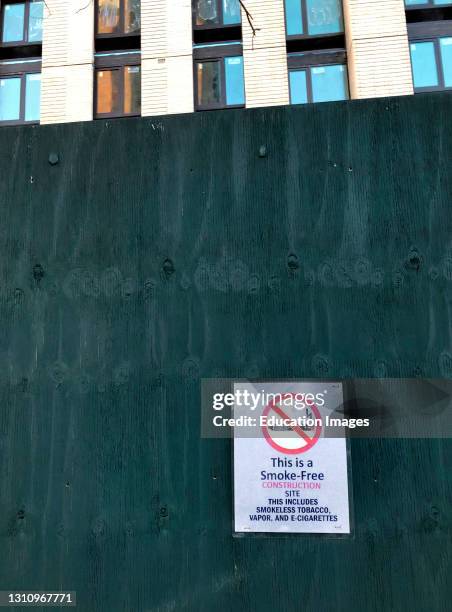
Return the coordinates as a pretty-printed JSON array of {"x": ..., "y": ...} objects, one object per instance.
[
  {"x": 10, "y": 99},
  {"x": 132, "y": 16},
  {"x": 313, "y": 17},
  {"x": 132, "y": 90},
  {"x": 329, "y": 83},
  {"x": 108, "y": 16},
  {"x": 324, "y": 17},
  {"x": 13, "y": 22},
  {"x": 206, "y": 12},
  {"x": 235, "y": 87},
  {"x": 209, "y": 88},
  {"x": 32, "y": 97},
  {"x": 108, "y": 88},
  {"x": 423, "y": 60},
  {"x": 35, "y": 22},
  {"x": 231, "y": 12}
]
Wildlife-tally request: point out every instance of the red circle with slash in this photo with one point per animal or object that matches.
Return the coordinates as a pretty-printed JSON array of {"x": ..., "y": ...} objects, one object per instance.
[{"x": 309, "y": 441}]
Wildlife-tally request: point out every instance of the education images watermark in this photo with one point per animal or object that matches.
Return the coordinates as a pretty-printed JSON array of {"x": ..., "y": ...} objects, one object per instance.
[{"x": 306, "y": 409}]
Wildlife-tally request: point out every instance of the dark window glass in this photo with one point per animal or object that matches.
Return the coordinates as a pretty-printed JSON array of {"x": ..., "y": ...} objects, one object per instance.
[
  {"x": 118, "y": 16},
  {"x": 318, "y": 84},
  {"x": 132, "y": 16},
  {"x": 209, "y": 83},
  {"x": 118, "y": 91},
  {"x": 10, "y": 89},
  {"x": 219, "y": 82},
  {"x": 217, "y": 12},
  {"x": 313, "y": 17}
]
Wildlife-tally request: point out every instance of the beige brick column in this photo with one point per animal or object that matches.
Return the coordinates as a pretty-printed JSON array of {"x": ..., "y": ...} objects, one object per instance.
[
  {"x": 264, "y": 54},
  {"x": 166, "y": 57},
  {"x": 377, "y": 48},
  {"x": 67, "y": 61}
]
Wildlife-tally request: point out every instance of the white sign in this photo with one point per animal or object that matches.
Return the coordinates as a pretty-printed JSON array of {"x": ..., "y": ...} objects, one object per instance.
[{"x": 289, "y": 477}]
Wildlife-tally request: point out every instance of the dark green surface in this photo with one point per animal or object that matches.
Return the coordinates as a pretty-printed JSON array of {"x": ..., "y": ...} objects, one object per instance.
[{"x": 159, "y": 251}]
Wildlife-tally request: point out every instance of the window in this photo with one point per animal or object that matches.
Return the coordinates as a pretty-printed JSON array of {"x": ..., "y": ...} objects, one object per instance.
[
  {"x": 426, "y": 3},
  {"x": 118, "y": 17},
  {"x": 431, "y": 64},
  {"x": 118, "y": 85},
  {"x": 216, "y": 13},
  {"x": 21, "y": 23},
  {"x": 317, "y": 77},
  {"x": 20, "y": 92},
  {"x": 219, "y": 81},
  {"x": 306, "y": 18}
]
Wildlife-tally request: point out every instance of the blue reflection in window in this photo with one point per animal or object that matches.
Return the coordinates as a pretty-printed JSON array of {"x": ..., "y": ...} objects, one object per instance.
[
  {"x": 298, "y": 89},
  {"x": 33, "y": 97},
  {"x": 13, "y": 22},
  {"x": 235, "y": 87},
  {"x": 446, "y": 58},
  {"x": 413, "y": 2},
  {"x": 329, "y": 83},
  {"x": 10, "y": 99},
  {"x": 324, "y": 17},
  {"x": 294, "y": 19},
  {"x": 35, "y": 23},
  {"x": 423, "y": 63},
  {"x": 231, "y": 12}
]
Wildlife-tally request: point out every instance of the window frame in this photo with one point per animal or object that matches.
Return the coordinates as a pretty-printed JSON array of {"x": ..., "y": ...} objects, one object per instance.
[
  {"x": 315, "y": 59},
  {"x": 18, "y": 43},
  {"x": 430, "y": 31},
  {"x": 215, "y": 53},
  {"x": 426, "y": 5},
  {"x": 304, "y": 17},
  {"x": 214, "y": 26},
  {"x": 16, "y": 69},
  {"x": 115, "y": 61},
  {"x": 122, "y": 21}
]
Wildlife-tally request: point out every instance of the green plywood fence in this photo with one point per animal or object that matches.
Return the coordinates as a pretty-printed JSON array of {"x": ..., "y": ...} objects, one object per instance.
[{"x": 138, "y": 256}]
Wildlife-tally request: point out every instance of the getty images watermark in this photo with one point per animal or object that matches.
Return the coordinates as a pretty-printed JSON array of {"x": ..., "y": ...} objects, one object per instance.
[
  {"x": 377, "y": 408},
  {"x": 280, "y": 407}
]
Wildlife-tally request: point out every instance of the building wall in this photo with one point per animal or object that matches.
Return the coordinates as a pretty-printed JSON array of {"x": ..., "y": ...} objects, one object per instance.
[
  {"x": 377, "y": 48},
  {"x": 67, "y": 61},
  {"x": 376, "y": 41},
  {"x": 167, "y": 57},
  {"x": 264, "y": 54}
]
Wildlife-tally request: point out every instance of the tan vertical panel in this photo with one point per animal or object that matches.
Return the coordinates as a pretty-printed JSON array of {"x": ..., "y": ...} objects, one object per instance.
[
  {"x": 264, "y": 54},
  {"x": 67, "y": 61},
  {"x": 167, "y": 57},
  {"x": 377, "y": 48}
]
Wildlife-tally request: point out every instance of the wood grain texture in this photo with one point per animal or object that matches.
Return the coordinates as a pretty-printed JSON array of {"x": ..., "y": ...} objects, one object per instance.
[{"x": 153, "y": 252}]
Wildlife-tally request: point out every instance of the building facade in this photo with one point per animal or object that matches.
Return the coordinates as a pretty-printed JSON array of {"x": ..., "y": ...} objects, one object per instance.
[{"x": 78, "y": 60}]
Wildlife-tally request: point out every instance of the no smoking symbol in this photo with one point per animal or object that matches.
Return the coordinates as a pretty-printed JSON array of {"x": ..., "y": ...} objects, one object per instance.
[{"x": 300, "y": 441}]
